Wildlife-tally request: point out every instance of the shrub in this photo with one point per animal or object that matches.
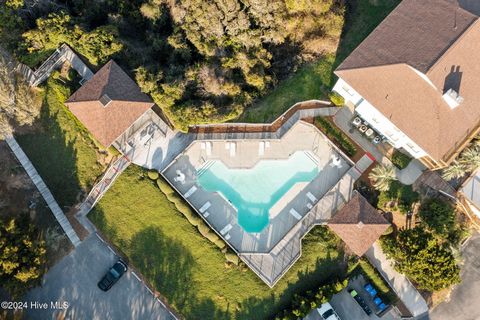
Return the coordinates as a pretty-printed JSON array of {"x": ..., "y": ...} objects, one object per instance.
[
  {"x": 165, "y": 187},
  {"x": 153, "y": 174},
  {"x": 213, "y": 237},
  {"x": 232, "y": 258},
  {"x": 203, "y": 229},
  {"x": 336, "y": 99},
  {"x": 373, "y": 276},
  {"x": 336, "y": 135},
  {"x": 220, "y": 244},
  {"x": 400, "y": 159}
]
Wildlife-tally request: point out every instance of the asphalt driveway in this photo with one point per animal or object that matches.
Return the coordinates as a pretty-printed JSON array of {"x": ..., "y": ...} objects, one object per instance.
[
  {"x": 463, "y": 303},
  {"x": 74, "y": 281}
]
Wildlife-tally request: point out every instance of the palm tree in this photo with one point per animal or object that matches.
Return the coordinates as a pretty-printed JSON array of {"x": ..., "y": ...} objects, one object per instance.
[
  {"x": 454, "y": 171},
  {"x": 470, "y": 158},
  {"x": 382, "y": 176}
]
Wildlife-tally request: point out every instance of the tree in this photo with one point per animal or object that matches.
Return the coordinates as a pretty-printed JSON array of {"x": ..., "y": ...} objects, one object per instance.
[
  {"x": 423, "y": 258},
  {"x": 454, "y": 171},
  {"x": 470, "y": 158},
  {"x": 382, "y": 176},
  {"x": 438, "y": 216},
  {"x": 22, "y": 254},
  {"x": 18, "y": 103}
]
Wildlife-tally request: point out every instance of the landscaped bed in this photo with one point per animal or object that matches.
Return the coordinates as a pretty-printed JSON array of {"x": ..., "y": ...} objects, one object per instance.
[{"x": 190, "y": 271}]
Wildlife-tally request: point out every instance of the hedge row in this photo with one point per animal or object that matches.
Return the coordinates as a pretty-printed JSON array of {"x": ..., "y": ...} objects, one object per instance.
[
  {"x": 187, "y": 211},
  {"x": 336, "y": 135}
]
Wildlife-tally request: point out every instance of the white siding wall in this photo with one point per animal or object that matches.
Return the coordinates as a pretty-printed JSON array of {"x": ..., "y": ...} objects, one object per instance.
[{"x": 377, "y": 120}]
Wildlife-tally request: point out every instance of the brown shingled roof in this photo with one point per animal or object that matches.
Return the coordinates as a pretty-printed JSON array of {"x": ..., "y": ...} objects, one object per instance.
[
  {"x": 109, "y": 103},
  {"x": 422, "y": 49},
  {"x": 417, "y": 33},
  {"x": 358, "y": 224}
]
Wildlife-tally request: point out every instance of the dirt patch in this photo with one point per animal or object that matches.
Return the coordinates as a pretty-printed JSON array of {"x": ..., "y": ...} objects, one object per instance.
[{"x": 18, "y": 195}]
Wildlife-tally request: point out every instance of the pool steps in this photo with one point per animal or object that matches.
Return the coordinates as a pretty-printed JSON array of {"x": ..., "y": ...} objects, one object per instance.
[{"x": 205, "y": 167}]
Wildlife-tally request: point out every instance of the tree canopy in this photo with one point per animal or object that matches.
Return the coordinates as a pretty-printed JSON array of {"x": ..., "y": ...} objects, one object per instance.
[
  {"x": 22, "y": 254},
  {"x": 202, "y": 61},
  {"x": 423, "y": 258}
]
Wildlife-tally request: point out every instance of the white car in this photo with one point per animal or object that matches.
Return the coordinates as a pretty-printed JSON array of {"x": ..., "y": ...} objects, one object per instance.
[{"x": 326, "y": 312}]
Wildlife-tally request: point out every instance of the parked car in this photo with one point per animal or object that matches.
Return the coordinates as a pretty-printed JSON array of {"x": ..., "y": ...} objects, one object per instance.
[
  {"x": 112, "y": 276},
  {"x": 361, "y": 302},
  {"x": 327, "y": 313}
]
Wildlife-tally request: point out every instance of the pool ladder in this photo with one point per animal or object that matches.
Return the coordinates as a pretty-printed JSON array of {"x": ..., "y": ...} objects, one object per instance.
[
  {"x": 312, "y": 157},
  {"x": 206, "y": 165}
]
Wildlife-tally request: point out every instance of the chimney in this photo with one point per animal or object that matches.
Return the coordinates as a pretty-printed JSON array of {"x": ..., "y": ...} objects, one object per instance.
[{"x": 452, "y": 98}]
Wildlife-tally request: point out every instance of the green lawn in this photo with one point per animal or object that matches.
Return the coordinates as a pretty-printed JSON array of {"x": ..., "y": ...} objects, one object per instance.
[
  {"x": 315, "y": 80},
  {"x": 61, "y": 149},
  {"x": 189, "y": 270}
]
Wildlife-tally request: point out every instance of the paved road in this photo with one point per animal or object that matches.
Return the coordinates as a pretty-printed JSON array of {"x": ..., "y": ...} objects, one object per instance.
[
  {"x": 465, "y": 298},
  {"x": 74, "y": 280}
]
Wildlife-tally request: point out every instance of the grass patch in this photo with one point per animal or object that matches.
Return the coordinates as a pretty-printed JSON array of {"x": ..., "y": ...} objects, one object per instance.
[
  {"x": 399, "y": 197},
  {"x": 336, "y": 135},
  {"x": 372, "y": 276},
  {"x": 400, "y": 159},
  {"x": 61, "y": 149},
  {"x": 188, "y": 269},
  {"x": 315, "y": 80}
]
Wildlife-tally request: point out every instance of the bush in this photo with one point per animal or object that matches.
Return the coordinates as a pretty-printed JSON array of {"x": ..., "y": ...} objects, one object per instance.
[
  {"x": 373, "y": 276},
  {"x": 213, "y": 237},
  {"x": 232, "y": 258},
  {"x": 438, "y": 216},
  {"x": 400, "y": 159},
  {"x": 336, "y": 99},
  {"x": 336, "y": 135},
  {"x": 220, "y": 244},
  {"x": 203, "y": 229},
  {"x": 165, "y": 187},
  {"x": 153, "y": 174},
  {"x": 302, "y": 304}
]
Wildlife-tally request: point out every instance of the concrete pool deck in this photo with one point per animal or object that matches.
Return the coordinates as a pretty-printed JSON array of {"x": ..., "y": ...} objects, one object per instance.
[{"x": 272, "y": 251}]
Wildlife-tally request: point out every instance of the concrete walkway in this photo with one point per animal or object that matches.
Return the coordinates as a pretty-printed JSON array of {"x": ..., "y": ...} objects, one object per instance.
[
  {"x": 411, "y": 173},
  {"x": 44, "y": 191},
  {"x": 400, "y": 284}
]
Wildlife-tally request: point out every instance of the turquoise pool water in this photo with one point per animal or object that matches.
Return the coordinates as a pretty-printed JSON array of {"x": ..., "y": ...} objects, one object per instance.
[{"x": 254, "y": 191}]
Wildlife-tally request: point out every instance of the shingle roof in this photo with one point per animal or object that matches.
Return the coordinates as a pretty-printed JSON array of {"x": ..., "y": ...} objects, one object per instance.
[
  {"x": 417, "y": 33},
  {"x": 404, "y": 74},
  {"x": 109, "y": 103},
  {"x": 358, "y": 224}
]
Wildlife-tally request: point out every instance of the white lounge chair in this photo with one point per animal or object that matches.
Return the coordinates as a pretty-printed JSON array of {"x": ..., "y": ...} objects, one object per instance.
[
  {"x": 261, "y": 148},
  {"x": 267, "y": 144},
  {"x": 227, "y": 228},
  {"x": 205, "y": 207},
  {"x": 227, "y": 237},
  {"x": 209, "y": 148},
  {"x": 206, "y": 214},
  {"x": 311, "y": 197},
  {"x": 190, "y": 192},
  {"x": 233, "y": 149},
  {"x": 202, "y": 145},
  {"x": 309, "y": 206},
  {"x": 294, "y": 213}
]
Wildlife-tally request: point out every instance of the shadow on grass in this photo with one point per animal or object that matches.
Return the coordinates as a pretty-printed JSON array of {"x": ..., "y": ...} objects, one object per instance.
[
  {"x": 325, "y": 270},
  {"x": 54, "y": 156}
]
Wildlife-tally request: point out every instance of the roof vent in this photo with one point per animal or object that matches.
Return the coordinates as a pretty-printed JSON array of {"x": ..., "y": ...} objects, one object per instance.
[
  {"x": 105, "y": 100},
  {"x": 360, "y": 224},
  {"x": 452, "y": 98}
]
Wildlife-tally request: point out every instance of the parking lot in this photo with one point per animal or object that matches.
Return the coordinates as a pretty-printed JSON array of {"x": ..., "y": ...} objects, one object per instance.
[
  {"x": 73, "y": 281},
  {"x": 348, "y": 309}
]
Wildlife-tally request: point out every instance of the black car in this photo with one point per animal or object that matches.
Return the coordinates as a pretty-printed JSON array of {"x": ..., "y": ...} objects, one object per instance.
[
  {"x": 361, "y": 302},
  {"x": 112, "y": 276}
]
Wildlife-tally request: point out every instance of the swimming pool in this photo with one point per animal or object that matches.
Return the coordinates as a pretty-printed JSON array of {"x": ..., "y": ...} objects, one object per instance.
[{"x": 254, "y": 191}]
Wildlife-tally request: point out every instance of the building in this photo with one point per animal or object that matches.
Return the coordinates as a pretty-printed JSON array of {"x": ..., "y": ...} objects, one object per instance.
[
  {"x": 114, "y": 109},
  {"x": 414, "y": 79},
  {"x": 358, "y": 224}
]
